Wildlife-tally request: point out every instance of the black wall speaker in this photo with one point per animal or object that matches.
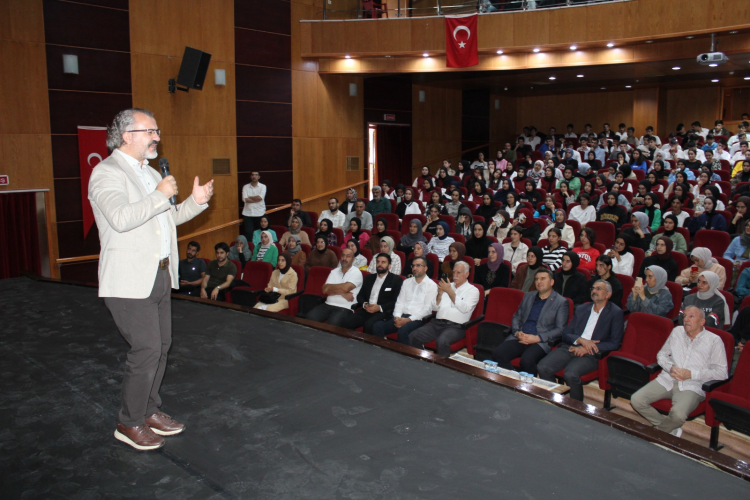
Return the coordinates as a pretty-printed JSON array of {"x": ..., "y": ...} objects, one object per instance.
[{"x": 193, "y": 68}]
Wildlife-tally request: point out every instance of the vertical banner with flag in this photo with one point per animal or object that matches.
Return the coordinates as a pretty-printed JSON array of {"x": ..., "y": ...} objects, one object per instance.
[
  {"x": 461, "y": 47},
  {"x": 92, "y": 148}
]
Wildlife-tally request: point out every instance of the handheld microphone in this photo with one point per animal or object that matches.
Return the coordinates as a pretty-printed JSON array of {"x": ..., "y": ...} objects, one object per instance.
[{"x": 164, "y": 167}]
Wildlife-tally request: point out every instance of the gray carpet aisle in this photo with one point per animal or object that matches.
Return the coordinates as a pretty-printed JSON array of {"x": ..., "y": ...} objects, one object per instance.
[{"x": 278, "y": 411}]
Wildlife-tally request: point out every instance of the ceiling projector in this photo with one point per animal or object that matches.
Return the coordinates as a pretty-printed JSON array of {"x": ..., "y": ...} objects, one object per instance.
[{"x": 712, "y": 58}]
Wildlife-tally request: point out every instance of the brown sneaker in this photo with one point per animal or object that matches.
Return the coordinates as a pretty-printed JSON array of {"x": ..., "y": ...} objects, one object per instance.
[
  {"x": 164, "y": 425},
  {"x": 139, "y": 437}
]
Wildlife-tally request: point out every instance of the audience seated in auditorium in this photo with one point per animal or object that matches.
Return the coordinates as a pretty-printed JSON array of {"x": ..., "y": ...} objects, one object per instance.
[
  {"x": 651, "y": 295},
  {"x": 293, "y": 248},
  {"x": 360, "y": 261},
  {"x": 662, "y": 257},
  {"x": 612, "y": 212},
  {"x": 355, "y": 232},
  {"x": 453, "y": 206},
  {"x": 349, "y": 202},
  {"x": 378, "y": 204},
  {"x": 379, "y": 231},
  {"x": 585, "y": 212},
  {"x": 596, "y": 327},
  {"x": 574, "y": 183},
  {"x": 264, "y": 225},
  {"x": 266, "y": 251},
  {"x": 387, "y": 246},
  {"x": 487, "y": 208},
  {"x": 455, "y": 303},
  {"x": 682, "y": 216},
  {"x": 604, "y": 272},
  {"x": 639, "y": 232},
  {"x": 540, "y": 318},
  {"x": 377, "y": 297},
  {"x": 420, "y": 250},
  {"x": 622, "y": 258},
  {"x": 499, "y": 225},
  {"x": 296, "y": 211},
  {"x": 739, "y": 249},
  {"x": 295, "y": 228},
  {"x": 326, "y": 229},
  {"x": 241, "y": 250},
  {"x": 691, "y": 356},
  {"x": 433, "y": 218},
  {"x": 341, "y": 288},
  {"x": 440, "y": 244},
  {"x": 407, "y": 241},
  {"x": 192, "y": 270},
  {"x": 587, "y": 252},
  {"x": 670, "y": 224},
  {"x": 219, "y": 274},
  {"x": 425, "y": 176},
  {"x": 284, "y": 281},
  {"x": 529, "y": 226},
  {"x": 709, "y": 299},
  {"x": 524, "y": 277},
  {"x": 333, "y": 214},
  {"x": 741, "y": 217},
  {"x": 478, "y": 244},
  {"x": 321, "y": 255},
  {"x": 409, "y": 205},
  {"x": 495, "y": 273},
  {"x": 464, "y": 223},
  {"x": 560, "y": 222},
  {"x": 359, "y": 212},
  {"x": 571, "y": 283},
  {"x": 515, "y": 250},
  {"x": 702, "y": 261}
]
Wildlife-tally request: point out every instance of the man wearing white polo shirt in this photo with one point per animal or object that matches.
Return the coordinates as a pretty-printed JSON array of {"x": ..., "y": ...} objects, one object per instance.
[{"x": 254, "y": 196}]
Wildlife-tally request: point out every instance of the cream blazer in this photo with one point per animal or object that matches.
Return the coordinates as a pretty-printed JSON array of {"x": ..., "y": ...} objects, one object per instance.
[{"x": 128, "y": 230}]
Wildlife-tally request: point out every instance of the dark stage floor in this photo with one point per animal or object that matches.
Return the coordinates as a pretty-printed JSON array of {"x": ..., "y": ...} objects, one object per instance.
[{"x": 275, "y": 410}]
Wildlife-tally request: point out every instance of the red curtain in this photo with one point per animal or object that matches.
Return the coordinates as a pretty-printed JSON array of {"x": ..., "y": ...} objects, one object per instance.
[
  {"x": 394, "y": 154},
  {"x": 19, "y": 250}
]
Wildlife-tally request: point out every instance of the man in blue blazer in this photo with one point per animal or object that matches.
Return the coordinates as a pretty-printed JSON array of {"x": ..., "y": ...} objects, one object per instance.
[
  {"x": 596, "y": 327},
  {"x": 540, "y": 318}
]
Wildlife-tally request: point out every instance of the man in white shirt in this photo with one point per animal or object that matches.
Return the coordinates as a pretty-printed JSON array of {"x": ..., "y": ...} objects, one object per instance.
[
  {"x": 359, "y": 212},
  {"x": 534, "y": 140},
  {"x": 721, "y": 152},
  {"x": 691, "y": 356},
  {"x": 414, "y": 303},
  {"x": 341, "y": 288},
  {"x": 622, "y": 133},
  {"x": 738, "y": 153},
  {"x": 596, "y": 326},
  {"x": 741, "y": 129},
  {"x": 455, "y": 302},
  {"x": 254, "y": 196},
  {"x": 649, "y": 133},
  {"x": 698, "y": 130},
  {"x": 570, "y": 134},
  {"x": 333, "y": 214}
]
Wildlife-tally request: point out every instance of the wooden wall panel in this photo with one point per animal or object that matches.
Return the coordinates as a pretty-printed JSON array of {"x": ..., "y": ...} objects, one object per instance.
[
  {"x": 264, "y": 153},
  {"x": 262, "y": 49},
  {"x": 255, "y": 83},
  {"x": 21, "y": 21},
  {"x": 263, "y": 15},
  {"x": 68, "y": 110},
  {"x": 65, "y": 154},
  {"x": 688, "y": 105},
  {"x": 81, "y": 25},
  {"x": 503, "y": 121},
  {"x": 436, "y": 127},
  {"x": 646, "y": 110},
  {"x": 24, "y": 110}
]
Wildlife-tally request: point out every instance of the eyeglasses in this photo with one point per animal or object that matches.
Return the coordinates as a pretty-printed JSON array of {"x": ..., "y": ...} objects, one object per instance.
[
  {"x": 150, "y": 131},
  {"x": 597, "y": 288},
  {"x": 417, "y": 265}
]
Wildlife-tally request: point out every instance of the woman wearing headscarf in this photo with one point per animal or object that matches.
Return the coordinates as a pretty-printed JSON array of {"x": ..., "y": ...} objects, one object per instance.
[
  {"x": 585, "y": 172},
  {"x": 240, "y": 251},
  {"x": 425, "y": 175},
  {"x": 519, "y": 178},
  {"x": 574, "y": 183},
  {"x": 742, "y": 176},
  {"x": 284, "y": 281},
  {"x": 536, "y": 172},
  {"x": 420, "y": 250},
  {"x": 651, "y": 209},
  {"x": 265, "y": 225},
  {"x": 709, "y": 219},
  {"x": 360, "y": 261},
  {"x": 456, "y": 252},
  {"x": 524, "y": 278},
  {"x": 652, "y": 296},
  {"x": 715, "y": 192},
  {"x": 531, "y": 229},
  {"x": 739, "y": 249},
  {"x": 326, "y": 229},
  {"x": 710, "y": 299},
  {"x": 661, "y": 257},
  {"x": 670, "y": 231},
  {"x": 506, "y": 187},
  {"x": 475, "y": 194},
  {"x": 387, "y": 246},
  {"x": 293, "y": 248},
  {"x": 294, "y": 229},
  {"x": 495, "y": 273},
  {"x": 464, "y": 222},
  {"x": 355, "y": 232},
  {"x": 622, "y": 258},
  {"x": 612, "y": 212},
  {"x": 515, "y": 249},
  {"x": 478, "y": 245},
  {"x": 487, "y": 209},
  {"x": 408, "y": 205},
  {"x": 568, "y": 235},
  {"x": 499, "y": 225},
  {"x": 643, "y": 187},
  {"x": 567, "y": 194},
  {"x": 266, "y": 251},
  {"x": 679, "y": 191},
  {"x": 554, "y": 251},
  {"x": 380, "y": 231},
  {"x": 321, "y": 255},
  {"x": 440, "y": 243},
  {"x": 407, "y": 242},
  {"x": 530, "y": 193},
  {"x": 639, "y": 233},
  {"x": 702, "y": 260},
  {"x": 443, "y": 180},
  {"x": 571, "y": 283},
  {"x": 496, "y": 180},
  {"x": 549, "y": 181},
  {"x": 349, "y": 202},
  {"x": 740, "y": 218},
  {"x": 512, "y": 205}
]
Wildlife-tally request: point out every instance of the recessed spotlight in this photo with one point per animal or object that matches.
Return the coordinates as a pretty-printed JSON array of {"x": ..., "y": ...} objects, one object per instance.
[
  {"x": 573, "y": 47},
  {"x": 552, "y": 78},
  {"x": 347, "y": 56},
  {"x": 387, "y": 56},
  {"x": 610, "y": 44},
  {"x": 712, "y": 65},
  {"x": 747, "y": 78},
  {"x": 628, "y": 86},
  {"x": 649, "y": 41},
  {"x": 676, "y": 68},
  {"x": 604, "y": 88},
  {"x": 690, "y": 37},
  {"x": 499, "y": 51},
  {"x": 425, "y": 55},
  {"x": 579, "y": 76},
  {"x": 733, "y": 32},
  {"x": 715, "y": 80},
  {"x": 537, "y": 50}
]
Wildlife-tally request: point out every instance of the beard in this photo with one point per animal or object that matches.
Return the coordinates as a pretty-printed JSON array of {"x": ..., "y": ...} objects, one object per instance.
[{"x": 150, "y": 154}]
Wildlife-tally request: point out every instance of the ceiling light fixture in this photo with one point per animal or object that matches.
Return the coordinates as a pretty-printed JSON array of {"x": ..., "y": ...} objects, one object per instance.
[
  {"x": 425, "y": 55},
  {"x": 690, "y": 37},
  {"x": 649, "y": 41},
  {"x": 610, "y": 44},
  {"x": 573, "y": 47},
  {"x": 628, "y": 86},
  {"x": 747, "y": 78},
  {"x": 733, "y": 32},
  {"x": 552, "y": 78},
  {"x": 347, "y": 56},
  {"x": 676, "y": 68},
  {"x": 713, "y": 65},
  {"x": 499, "y": 51},
  {"x": 537, "y": 50},
  {"x": 604, "y": 88},
  {"x": 715, "y": 80},
  {"x": 579, "y": 76}
]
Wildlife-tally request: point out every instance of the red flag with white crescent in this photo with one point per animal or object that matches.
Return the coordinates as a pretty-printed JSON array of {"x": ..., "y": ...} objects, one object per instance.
[
  {"x": 92, "y": 148},
  {"x": 461, "y": 47}
]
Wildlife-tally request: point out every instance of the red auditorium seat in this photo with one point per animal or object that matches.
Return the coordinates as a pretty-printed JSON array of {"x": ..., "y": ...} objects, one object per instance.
[
  {"x": 451, "y": 222},
  {"x": 682, "y": 260},
  {"x": 316, "y": 278},
  {"x": 634, "y": 364},
  {"x": 627, "y": 287},
  {"x": 716, "y": 241},
  {"x": 390, "y": 219},
  {"x": 293, "y": 299},
  {"x": 638, "y": 256},
  {"x": 502, "y": 304},
  {"x": 729, "y": 402},
  {"x": 256, "y": 275},
  {"x": 367, "y": 254},
  {"x": 675, "y": 289}
]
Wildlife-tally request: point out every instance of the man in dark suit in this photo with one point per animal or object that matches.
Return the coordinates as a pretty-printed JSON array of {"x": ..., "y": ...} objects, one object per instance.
[
  {"x": 540, "y": 318},
  {"x": 377, "y": 297},
  {"x": 596, "y": 327}
]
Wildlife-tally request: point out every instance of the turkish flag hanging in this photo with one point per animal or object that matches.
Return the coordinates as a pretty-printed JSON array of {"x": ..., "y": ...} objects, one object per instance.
[
  {"x": 92, "y": 148},
  {"x": 461, "y": 48}
]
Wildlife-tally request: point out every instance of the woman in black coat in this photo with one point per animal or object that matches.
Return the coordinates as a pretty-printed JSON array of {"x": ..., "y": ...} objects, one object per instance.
[{"x": 571, "y": 283}]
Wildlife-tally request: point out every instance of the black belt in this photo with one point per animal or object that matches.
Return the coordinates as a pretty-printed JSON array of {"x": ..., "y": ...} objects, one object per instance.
[
  {"x": 448, "y": 322},
  {"x": 164, "y": 264}
]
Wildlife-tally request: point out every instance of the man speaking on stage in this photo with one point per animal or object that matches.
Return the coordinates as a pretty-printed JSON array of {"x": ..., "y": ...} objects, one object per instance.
[{"x": 138, "y": 266}]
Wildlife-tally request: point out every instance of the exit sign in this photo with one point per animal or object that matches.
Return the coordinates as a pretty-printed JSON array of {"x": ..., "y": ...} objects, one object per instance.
[
  {"x": 4, "y": 181},
  {"x": 389, "y": 118}
]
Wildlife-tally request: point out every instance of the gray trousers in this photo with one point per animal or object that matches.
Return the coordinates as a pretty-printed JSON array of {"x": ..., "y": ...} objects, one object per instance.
[
  {"x": 442, "y": 332},
  {"x": 146, "y": 325},
  {"x": 683, "y": 402},
  {"x": 575, "y": 367}
]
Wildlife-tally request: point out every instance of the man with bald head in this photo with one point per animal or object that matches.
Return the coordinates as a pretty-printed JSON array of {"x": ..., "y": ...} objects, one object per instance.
[
  {"x": 691, "y": 356},
  {"x": 341, "y": 288}
]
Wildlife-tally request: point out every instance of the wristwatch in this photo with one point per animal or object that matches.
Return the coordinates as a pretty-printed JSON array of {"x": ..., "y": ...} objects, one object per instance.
[{"x": 218, "y": 287}]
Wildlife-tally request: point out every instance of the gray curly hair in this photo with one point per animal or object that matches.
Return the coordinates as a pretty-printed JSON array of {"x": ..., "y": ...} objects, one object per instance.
[{"x": 120, "y": 124}]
